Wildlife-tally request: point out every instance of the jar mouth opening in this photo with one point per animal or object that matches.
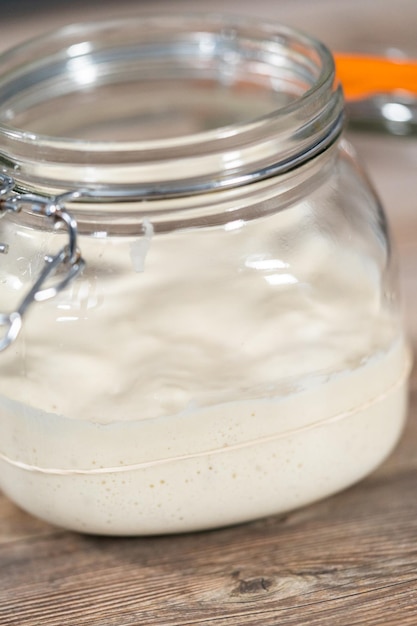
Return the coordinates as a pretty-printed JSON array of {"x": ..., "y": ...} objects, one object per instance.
[{"x": 176, "y": 102}]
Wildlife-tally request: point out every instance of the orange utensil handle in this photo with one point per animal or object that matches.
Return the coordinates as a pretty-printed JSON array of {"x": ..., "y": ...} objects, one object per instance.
[{"x": 365, "y": 76}]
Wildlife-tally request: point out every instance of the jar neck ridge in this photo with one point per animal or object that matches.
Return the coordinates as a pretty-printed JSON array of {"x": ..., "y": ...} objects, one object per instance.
[{"x": 219, "y": 64}]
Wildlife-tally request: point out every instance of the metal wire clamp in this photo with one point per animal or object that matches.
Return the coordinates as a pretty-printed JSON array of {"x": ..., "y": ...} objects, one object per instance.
[{"x": 68, "y": 261}]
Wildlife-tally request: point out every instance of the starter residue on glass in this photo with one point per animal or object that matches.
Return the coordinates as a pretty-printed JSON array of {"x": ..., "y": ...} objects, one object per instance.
[{"x": 210, "y": 417}]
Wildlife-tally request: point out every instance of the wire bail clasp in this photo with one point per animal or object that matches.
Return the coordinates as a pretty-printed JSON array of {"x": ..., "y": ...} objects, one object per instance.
[{"x": 67, "y": 263}]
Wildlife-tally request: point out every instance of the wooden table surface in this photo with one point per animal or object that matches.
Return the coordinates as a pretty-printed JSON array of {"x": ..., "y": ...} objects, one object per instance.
[{"x": 350, "y": 559}]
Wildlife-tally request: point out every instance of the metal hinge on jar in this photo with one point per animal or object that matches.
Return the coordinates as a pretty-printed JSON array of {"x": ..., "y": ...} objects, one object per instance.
[{"x": 68, "y": 260}]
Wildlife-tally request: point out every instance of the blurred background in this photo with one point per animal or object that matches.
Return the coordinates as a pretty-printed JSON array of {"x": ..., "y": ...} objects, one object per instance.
[
  {"x": 383, "y": 27},
  {"x": 350, "y": 24}
]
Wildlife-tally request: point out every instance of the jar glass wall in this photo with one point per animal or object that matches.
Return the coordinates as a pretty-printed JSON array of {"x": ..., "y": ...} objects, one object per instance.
[{"x": 233, "y": 347}]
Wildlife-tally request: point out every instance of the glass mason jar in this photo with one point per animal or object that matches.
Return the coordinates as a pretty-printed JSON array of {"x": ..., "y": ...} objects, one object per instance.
[{"x": 199, "y": 313}]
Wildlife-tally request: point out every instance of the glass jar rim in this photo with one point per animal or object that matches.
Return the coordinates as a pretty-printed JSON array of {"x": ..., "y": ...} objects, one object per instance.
[{"x": 221, "y": 157}]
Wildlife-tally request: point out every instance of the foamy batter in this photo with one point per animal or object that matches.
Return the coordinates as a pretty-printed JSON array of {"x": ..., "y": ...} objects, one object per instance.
[{"x": 186, "y": 400}]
